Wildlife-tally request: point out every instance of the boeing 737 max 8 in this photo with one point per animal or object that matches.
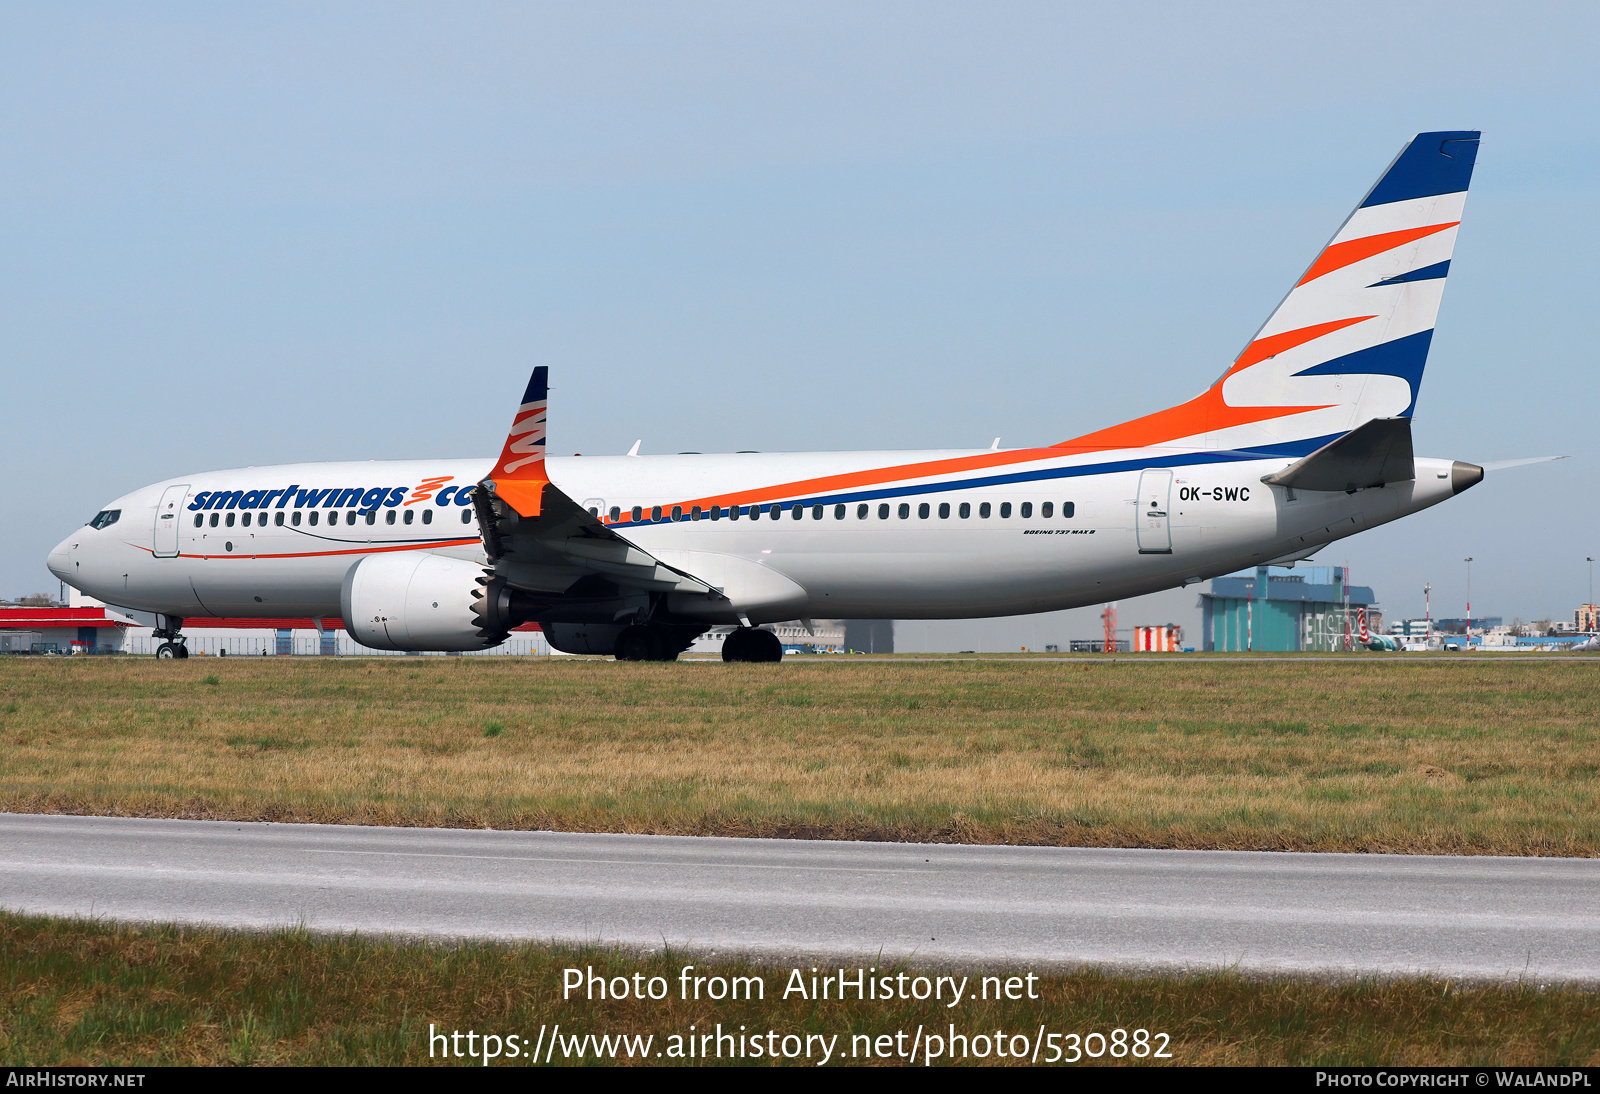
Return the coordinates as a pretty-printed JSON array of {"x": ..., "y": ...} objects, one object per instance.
[{"x": 1305, "y": 439}]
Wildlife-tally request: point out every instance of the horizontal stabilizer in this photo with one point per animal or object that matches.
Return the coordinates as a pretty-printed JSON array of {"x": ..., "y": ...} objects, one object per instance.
[{"x": 1372, "y": 454}]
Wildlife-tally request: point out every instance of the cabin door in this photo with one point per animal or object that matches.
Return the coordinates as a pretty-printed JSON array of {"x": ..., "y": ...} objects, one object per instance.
[
  {"x": 169, "y": 513},
  {"x": 1155, "y": 502}
]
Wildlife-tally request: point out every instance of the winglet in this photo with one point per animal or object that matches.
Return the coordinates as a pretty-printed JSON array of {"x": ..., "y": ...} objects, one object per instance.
[{"x": 518, "y": 478}]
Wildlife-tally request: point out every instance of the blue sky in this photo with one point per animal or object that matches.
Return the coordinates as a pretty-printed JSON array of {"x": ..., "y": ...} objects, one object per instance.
[{"x": 249, "y": 234}]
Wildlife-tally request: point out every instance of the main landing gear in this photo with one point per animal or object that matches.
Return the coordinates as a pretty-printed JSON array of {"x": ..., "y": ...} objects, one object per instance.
[
  {"x": 649, "y": 642},
  {"x": 174, "y": 646},
  {"x": 752, "y": 644}
]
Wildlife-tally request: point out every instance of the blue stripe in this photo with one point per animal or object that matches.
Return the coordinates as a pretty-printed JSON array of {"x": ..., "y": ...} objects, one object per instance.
[
  {"x": 1427, "y": 273},
  {"x": 538, "y": 385},
  {"x": 1404, "y": 357},
  {"x": 1432, "y": 164},
  {"x": 1284, "y": 450}
]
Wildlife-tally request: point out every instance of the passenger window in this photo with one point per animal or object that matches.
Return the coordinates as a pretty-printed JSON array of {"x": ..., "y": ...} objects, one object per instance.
[
  {"x": 966, "y": 510},
  {"x": 295, "y": 519},
  {"x": 410, "y": 515},
  {"x": 883, "y": 511},
  {"x": 816, "y": 512},
  {"x": 261, "y": 519},
  {"x": 677, "y": 512},
  {"x": 983, "y": 510},
  {"x": 922, "y": 511},
  {"x": 389, "y": 518},
  {"x": 838, "y": 512},
  {"x": 638, "y": 513},
  {"x": 905, "y": 510},
  {"x": 616, "y": 512},
  {"x": 466, "y": 516},
  {"x": 350, "y": 517},
  {"x": 1067, "y": 509},
  {"x": 861, "y": 511},
  {"x": 1005, "y": 509},
  {"x": 655, "y": 512},
  {"x": 244, "y": 520},
  {"x": 333, "y": 517},
  {"x": 199, "y": 519},
  {"x": 775, "y": 510},
  {"x": 214, "y": 518},
  {"x": 944, "y": 510},
  {"x": 372, "y": 517},
  {"x": 229, "y": 521},
  {"x": 313, "y": 517},
  {"x": 694, "y": 514},
  {"x": 797, "y": 511},
  {"x": 1045, "y": 509},
  {"x": 278, "y": 519},
  {"x": 1026, "y": 510},
  {"x": 753, "y": 512},
  {"x": 715, "y": 512}
]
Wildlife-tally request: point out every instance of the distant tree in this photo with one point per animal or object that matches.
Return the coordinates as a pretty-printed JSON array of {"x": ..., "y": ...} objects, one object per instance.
[{"x": 38, "y": 600}]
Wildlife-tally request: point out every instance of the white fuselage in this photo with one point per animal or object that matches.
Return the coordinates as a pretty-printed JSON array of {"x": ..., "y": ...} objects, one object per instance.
[{"x": 258, "y": 554}]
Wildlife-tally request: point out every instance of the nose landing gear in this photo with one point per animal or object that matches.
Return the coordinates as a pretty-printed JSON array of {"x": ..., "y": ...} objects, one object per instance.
[{"x": 174, "y": 645}]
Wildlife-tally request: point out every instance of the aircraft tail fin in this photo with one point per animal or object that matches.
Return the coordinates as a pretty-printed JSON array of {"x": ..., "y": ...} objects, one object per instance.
[
  {"x": 1348, "y": 343},
  {"x": 519, "y": 477}
]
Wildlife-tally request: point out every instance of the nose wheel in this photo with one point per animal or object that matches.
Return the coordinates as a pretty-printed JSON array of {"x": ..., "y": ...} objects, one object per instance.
[{"x": 173, "y": 645}]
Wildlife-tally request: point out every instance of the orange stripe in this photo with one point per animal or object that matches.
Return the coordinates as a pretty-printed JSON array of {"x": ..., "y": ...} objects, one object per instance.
[
  {"x": 1339, "y": 255},
  {"x": 325, "y": 554},
  {"x": 1210, "y": 411},
  {"x": 1202, "y": 414},
  {"x": 1274, "y": 344},
  {"x": 829, "y": 484}
]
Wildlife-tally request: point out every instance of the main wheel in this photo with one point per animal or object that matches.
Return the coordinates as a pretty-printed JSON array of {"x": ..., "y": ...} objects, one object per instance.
[
  {"x": 167, "y": 652},
  {"x": 751, "y": 644},
  {"x": 183, "y": 651},
  {"x": 766, "y": 645},
  {"x": 638, "y": 644}
]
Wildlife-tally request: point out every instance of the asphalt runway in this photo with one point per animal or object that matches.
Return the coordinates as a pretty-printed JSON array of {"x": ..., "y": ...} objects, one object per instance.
[{"x": 1480, "y": 918}]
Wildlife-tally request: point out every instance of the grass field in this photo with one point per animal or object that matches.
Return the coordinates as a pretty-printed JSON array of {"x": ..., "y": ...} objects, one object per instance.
[
  {"x": 87, "y": 993},
  {"x": 1368, "y": 753}
]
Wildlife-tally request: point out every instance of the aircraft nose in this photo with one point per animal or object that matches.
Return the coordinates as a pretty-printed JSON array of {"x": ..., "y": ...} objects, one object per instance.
[{"x": 60, "y": 560}]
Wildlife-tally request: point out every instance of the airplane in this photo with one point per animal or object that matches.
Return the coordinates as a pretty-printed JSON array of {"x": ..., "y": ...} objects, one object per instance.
[{"x": 1303, "y": 440}]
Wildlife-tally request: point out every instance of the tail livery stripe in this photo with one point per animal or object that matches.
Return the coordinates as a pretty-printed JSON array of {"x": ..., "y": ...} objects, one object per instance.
[
  {"x": 1339, "y": 255},
  {"x": 1431, "y": 165},
  {"x": 1364, "y": 309}
]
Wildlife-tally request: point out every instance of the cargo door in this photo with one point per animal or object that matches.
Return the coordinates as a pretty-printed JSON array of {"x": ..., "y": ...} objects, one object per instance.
[
  {"x": 1155, "y": 502},
  {"x": 168, "y": 514}
]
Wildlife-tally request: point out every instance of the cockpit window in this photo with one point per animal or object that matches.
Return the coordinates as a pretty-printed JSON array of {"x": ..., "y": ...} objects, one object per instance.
[{"x": 105, "y": 518}]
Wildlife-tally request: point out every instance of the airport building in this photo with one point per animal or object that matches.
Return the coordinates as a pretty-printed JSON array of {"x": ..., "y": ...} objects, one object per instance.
[
  {"x": 86, "y": 626},
  {"x": 1281, "y": 609}
]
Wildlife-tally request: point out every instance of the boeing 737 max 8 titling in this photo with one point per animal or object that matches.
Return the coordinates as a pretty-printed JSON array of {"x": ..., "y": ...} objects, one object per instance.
[{"x": 1305, "y": 439}]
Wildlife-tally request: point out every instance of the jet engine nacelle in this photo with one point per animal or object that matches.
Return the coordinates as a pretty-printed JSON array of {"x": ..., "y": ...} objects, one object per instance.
[{"x": 413, "y": 600}]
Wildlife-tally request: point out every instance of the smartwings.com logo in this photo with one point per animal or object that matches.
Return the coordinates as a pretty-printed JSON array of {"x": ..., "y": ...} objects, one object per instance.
[{"x": 361, "y": 498}]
